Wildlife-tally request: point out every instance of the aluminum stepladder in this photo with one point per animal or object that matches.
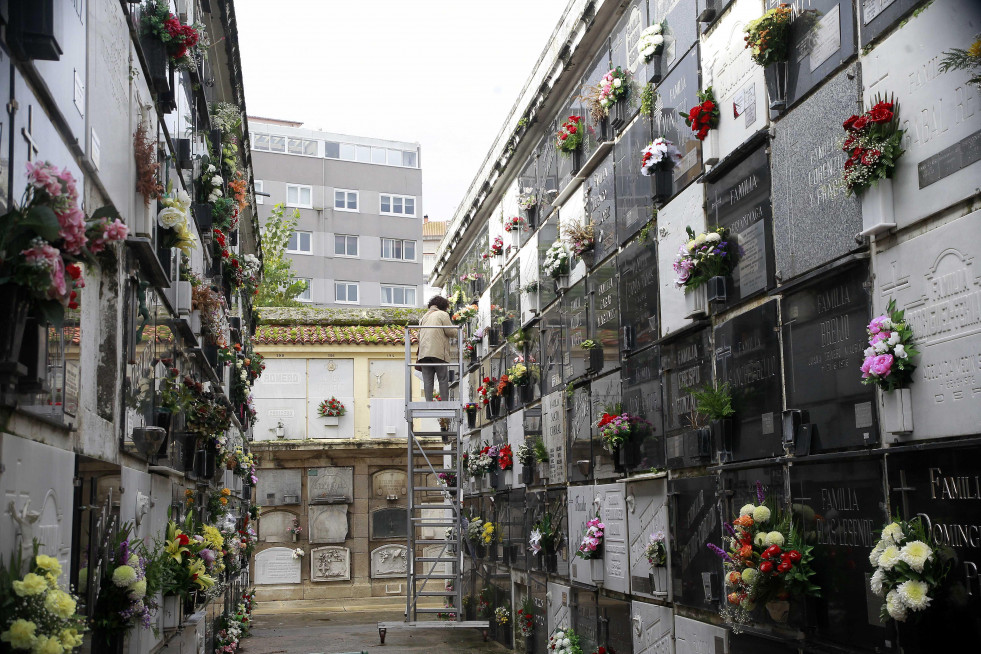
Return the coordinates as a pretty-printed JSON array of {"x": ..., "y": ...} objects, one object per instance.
[{"x": 434, "y": 506}]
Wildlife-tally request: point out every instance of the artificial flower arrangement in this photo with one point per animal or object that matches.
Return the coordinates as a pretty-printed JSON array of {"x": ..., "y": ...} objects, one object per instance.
[
  {"x": 544, "y": 534},
  {"x": 497, "y": 246},
  {"x": 616, "y": 429},
  {"x": 243, "y": 464},
  {"x": 487, "y": 389},
  {"x": 656, "y": 551},
  {"x": 295, "y": 528},
  {"x": 556, "y": 261},
  {"x": 184, "y": 568},
  {"x": 704, "y": 115},
  {"x": 873, "y": 144},
  {"x": 470, "y": 277},
  {"x": 299, "y": 553},
  {"x": 206, "y": 416},
  {"x": 570, "y": 136},
  {"x": 525, "y": 455},
  {"x": 470, "y": 407},
  {"x": 589, "y": 344},
  {"x": 46, "y": 236},
  {"x": 651, "y": 42},
  {"x": 504, "y": 385},
  {"x": 580, "y": 236},
  {"x": 465, "y": 314},
  {"x": 243, "y": 271},
  {"x": 488, "y": 533},
  {"x": 447, "y": 479},
  {"x": 502, "y": 615},
  {"x": 613, "y": 87},
  {"x": 514, "y": 224},
  {"x": 768, "y": 37},
  {"x": 525, "y": 618},
  {"x": 218, "y": 504},
  {"x": 127, "y": 594},
  {"x": 564, "y": 641},
  {"x": 475, "y": 530},
  {"x": 214, "y": 309},
  {"x": 704, "y": 256},
  {"x": 766, "y": 560},
  {"x": 38, "y": 616},
  {"x": 182, "y": 41},
  {"x": 658, "y": 154},
  {"x": 888, "y": 359},
  {"x": 518, "y": 374},
  {"x": 591, "y": 545},
  {"x": 481, "y": 461},
  {"x": 331, "y": 408},
  {"x": 505, "y": 458},
  {"x": 210, "y": 186},
  {"x": 175, "y": 219},
  {"x": 907, "y": 570},
  {"x": 239, "y": 189},
  {"x": 527, "y": 199}
]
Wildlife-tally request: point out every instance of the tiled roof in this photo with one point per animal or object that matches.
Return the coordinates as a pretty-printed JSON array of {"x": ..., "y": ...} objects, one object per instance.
[
  {"x": 330, "y": 335},
  {"x": 434, "y": 228}
]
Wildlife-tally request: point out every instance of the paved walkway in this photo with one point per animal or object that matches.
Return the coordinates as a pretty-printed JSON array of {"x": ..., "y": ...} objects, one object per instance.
[{"x": 343, "y": 630}]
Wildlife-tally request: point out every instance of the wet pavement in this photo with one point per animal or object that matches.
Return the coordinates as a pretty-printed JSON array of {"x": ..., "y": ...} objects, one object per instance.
[{"x": 335, "y": 631}]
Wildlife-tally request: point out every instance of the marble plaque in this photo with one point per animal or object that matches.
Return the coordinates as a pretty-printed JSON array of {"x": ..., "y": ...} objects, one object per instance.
[
  {"x": 935, "y": 279},
  {"x": 277, "y": 487},
  {"x": 601, "y": 208},
  {"x": 684, "y": 211},
  {"x": 576, "y": 330},
  {"x": 516, "y": 533},
  {"x": 604, "y": 312},
  {"x": 877, "y": 16},
  {"x": 330, "y": 564},
  {"x": 747, "y": 356},
  {"x": 389, "y": 562},
  {"x": 530, "y": 274},
  {"x": 641, "y": 393},
  {"x": 604, "y": 395},
  {"x": 734, "y": 77},
  {"x": 843, "y": 504},
  {"x": 538, "y": 591},
  {"x": 941, "y": 112},
  {"x": 685, "y": 366},
  {"x": 625, "y": 50},
  {"x": 581, "y": 510},
  {"x": 553, "y": 368},
  {"x": 282, "y": 379},
  {"x": 694, "y": 637},
  {"x": 637, "y": 278},
  {"x": 599, "y": 66},
  {"x": 330, "y": 377},
  {"x": 616, "y": 626},
  {"x": 634, "y": 206},
  {"x": 695, "y": 570},
  {"x": 556, "y": 498},
  {"x": 823, "y": 342},
  {"x": 584, "y": 616},
  {"x": 942, "y": 487},
  {"x": 389, "y": 484},
  {"x": 553, "y": 426},
  {"x": 271, "y": 413},
  {"x": 647, "y": 514},
  {"x": 580, "y": 425},
  {"x": 740, "y": 202},
  {"x": 277, "y": 565},
  {"x": 680, "y": 29},
  {"x": 331, "y": 485},
  {"x": 558, "y": 596},
  {"x": 679, "y": 92},
  {"x": 547, "y": 234},
  {"x": 613, "y": 512},
  {"x": 389, "y": 522},
  {"x": 807, "y": 161},
  {"x": 328, "y": 524},
  {"x": 653, "y": 627},
  {"x": 275, "y": 525}
]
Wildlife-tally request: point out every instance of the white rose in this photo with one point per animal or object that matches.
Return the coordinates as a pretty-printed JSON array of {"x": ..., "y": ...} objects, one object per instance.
[
  {"x": 617, "y": 82},
  {"x": 894, "y": 338},
  {"x": 211, "y": 168},
  {"x": 900, "y": 352},
  {"x": 217, "y": 192},
  {"x": 869, "y": 352},
  {"x": 216, "y": 181},
  {"x": 212, "y": 198},
  {"x": 881, "y": 346},
  {"x": 183, "y": 199},
  {"x": 170, "y": 217}
]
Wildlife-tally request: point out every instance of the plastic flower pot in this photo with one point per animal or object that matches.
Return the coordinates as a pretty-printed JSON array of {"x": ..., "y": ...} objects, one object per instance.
[
  {"x": 172, "y": 611},
  {"x": 775, "y": 76},
  {"x": 509, "y": 398},
  {"x": 203, "y": 217},
  {"x": 551, "y": 560},
  {"x": 710, "y": 147},
  {"x": 576, "y": 161},
  {"x": 472, "y": 418},
  {"x": 492, "y": 552},
  {"x": 619, "y": 465},
  {"x": 529, "y": 215},
  {"x": 166, "y": 257},
  {"x": 515, "y": 235},
  {"x": 155, "y": 54},
  {"x": 331, "y": 421},
  {"x": 696, "y": 302},
  {"x": 493, "y": 337},
  {"x": 211, "y": 355},
  {"x": 629, "y": 452},
  {"x": 527, "y": 475},
  {"x": 618, "y": 114},
  {"x": 877, "y": 208},
  {"x": 722, "y": 435},
  {"x": 526, "y": 392},
  {"x": 15, "y": 303},
  {"x": 507, "y": 326},
  {"x": 662, "y": 184},
  {"x": 495, "y": 406},
  {"x": 897, "y": 411},
  {"x": 654, "y": 69},
  {"x": 479, "y": 550},
  {"x": 561, "y": 283},
  {"x": 596, "y": 570},
  {"x": 595, "y": 359}
]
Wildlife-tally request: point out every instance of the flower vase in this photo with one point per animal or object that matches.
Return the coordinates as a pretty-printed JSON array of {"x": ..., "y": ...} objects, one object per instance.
[
  {"x": 629, "y": 453},
  {"x": 472, "y": 418},
  {"x": 877, "y": 208},
  {"x": 515, "y": 235},
  {"x": 492, "y": 552},
  {"x": 294, "y": 538},
  {"x": 576, "y": 161},
  {"x": 155, "y": 53},
  {"x": 526, "y": 393},
  {"x": 696, "y": 301},
  {"x": 529, "y": 217},
  {"x": 561, "y": 283},
  {"x": 775, "y": 76},
  {"x": 618, "y": 461},
  {"x": 479, "y": 550},
  {"x": 551, "y": 560},
  {"x": 778, "y": 610},
  {"x": 509, "y": 398},
  {"x": 654, "y": 69},
  {"x": 596, "y": 570},
  {"x": 172, "y": 611},
  {"x": 496, "y": 477},
  {"x": 897, "y": 411},
  {"x": 493, "y": 337},
  {"x": 331, "y": 421},
  {"x": 618, "y": 114},
  {"x": 15, "y": 302},
  {"x": 495, "y": 406},
  {"x": 527, "y": 475},
  {"x": 662, "y": 184},
  {"x": 184, "y": 291},
  {"x": 710, "y": 147},
  {"x": 529, "y": 645},
  {"x": 595, "y": 362}
]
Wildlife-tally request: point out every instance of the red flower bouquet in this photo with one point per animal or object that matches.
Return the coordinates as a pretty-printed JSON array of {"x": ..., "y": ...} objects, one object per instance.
[
  {"x": 703, "y": 116},
  {"x": 487, "y": 390},
  {"x": 505, "y": 458},
  {"x": 873, "y": 144},
  {"x": 570, "y": 135}
]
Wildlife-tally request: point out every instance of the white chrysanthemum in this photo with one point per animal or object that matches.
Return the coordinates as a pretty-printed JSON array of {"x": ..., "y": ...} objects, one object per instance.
[
  {"x": 761, "y": 514},
  {"x": 690, "y": 245},
  {"x": 700, "y": 239},
  {"x": 760, "y": 539},
  {"x": 895, "y": 606},
  {"x": 915, "y": 554},
  {"x": 878, "y": 578},
  {"x": 893, "y": 532},
  {"x": 774, "y": 538},
  {"x": 216, "y": 181},
  {"x": 749, "y": 576},
  {"x": 914, "y": 594},
  {"x": 889, "y": 557},
  {"x": 713, "y": 237},
  {"x": 747, "y": 509},
  {"x": 877, "y": 552}
]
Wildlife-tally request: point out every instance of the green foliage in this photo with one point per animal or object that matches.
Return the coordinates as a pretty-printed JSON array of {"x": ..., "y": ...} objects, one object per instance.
[
  {"x": 714, "y": 401},
  {"x": 647, "y": 231},
  {"x": 768, "y": 37},
  {"x": 279, "y": 286},
  {"x": 648, "y": 98},
  {"x": 969, "y": 60},
  {"x": 798, "y": 579},
  {"x": 541, "y": 452}
]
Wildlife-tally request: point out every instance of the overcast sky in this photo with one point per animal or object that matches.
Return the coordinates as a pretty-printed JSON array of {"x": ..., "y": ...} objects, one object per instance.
[{"x": 441, "y": 72}]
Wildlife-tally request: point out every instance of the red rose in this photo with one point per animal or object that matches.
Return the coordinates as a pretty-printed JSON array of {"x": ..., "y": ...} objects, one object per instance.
[
  {"x": 847, "y": 145},
  {"x": 850, "y": 123},
  {"x": 766, "y": 567},
  {"x": 708, "y": 105},
  {"x": 793, "y": 555},
  {"x": 73, "y": 270},
  {"x": 880, "y": 114},
  {"x": 697, "y": 109},
  {"x": 860, "y": 124},
  {"x": 572, "y": 129},
  {"x": 563, "y": 137},
  {"x": 784, "y": 567},
  {"x": 869, "y": 157},
  {"x": 702, "y": 133}
]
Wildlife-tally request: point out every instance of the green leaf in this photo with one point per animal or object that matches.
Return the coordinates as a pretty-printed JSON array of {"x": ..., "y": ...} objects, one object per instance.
[
  {"x": 107, "y": 211},
  {"x": 53, "y": 312},
  {"x": 43, "y": 221}
]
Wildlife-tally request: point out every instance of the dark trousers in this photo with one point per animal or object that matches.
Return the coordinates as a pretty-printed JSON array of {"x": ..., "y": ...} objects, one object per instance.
[{"x": 441, "y": 373}]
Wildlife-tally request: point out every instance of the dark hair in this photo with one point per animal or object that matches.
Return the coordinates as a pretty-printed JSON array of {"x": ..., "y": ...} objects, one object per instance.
[{"x": 439, "y": 302}]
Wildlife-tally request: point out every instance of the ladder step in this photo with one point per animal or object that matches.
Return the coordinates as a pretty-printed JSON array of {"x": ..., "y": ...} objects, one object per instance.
[
  {"x": 443, "y": 610},
  {"x": 421, "y": 577},
  {"x": 436, "y": 406},
  {"x": 436, "y": 593},
  {"x": 434, "y": 506},
  {"x": 421, "y": 471},
  {"x": 433, "y": 489},
  {"x": 435, "y": 559},
  {"x": 433, "y": 434},
  {"x": 421, "y": 522},
  {"x": 429, "y": 541}
]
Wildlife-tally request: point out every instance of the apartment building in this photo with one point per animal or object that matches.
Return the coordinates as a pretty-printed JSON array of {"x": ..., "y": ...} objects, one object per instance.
[{"x": 358, "y": 240}]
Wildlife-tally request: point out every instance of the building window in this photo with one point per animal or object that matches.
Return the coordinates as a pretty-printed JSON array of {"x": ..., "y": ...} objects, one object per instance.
[
  {"x": 259, "y": 142},
  {"x": 398, "y": 205},
  {"x": 305, "y": 295},
  {"x": 393, "y": 248},
  {"x": 345, "y": 200},
  {"x": 299, "y": 196},
  {"x": 305, "y": 147},
  {"x": 369, "y": 154},
  {"x": 300, "y": 243},
  {"x": 346, "y": 292},
  {"x": 409, "y": 160},
  {"x": 345, "y": 246},
  {"x": 259, "y": 198},
  {"x": 277, "y": 143},
  {"x": 403, "y": 296}
]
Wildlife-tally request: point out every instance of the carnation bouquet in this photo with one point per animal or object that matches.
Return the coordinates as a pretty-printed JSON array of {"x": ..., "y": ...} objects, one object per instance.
[
  {"x": 482, "y": 461},
  {"x": 656, "y": 551},
  {"x": 703, "y": 257},
  {"x": 475, "y": 530},
  {"x": 888, "y": 363},
  {"x": 514, "y": 224},
  {"x": 907, "y": 570},
  {"x": 613, "y": 87},
  {"x": 651, "y": 42},
  {"x": 703, "y": 116},
  {"x": 564, "y": 641},
  {"x": 502, "y": 615},
  {"x": 556, "y": 261},
  {"x": 591, "y": 545},
  {"x": 497, "y": 247},
  {"x": 660, "y": 153},
  {"x": 873, "y": 143},
  {"x": 766, "y": 560},
  {"x": 616, "y": 428},
  {"x": 182, "y": 41},
  {"x": 331, "y": 408},
  {"x": 525, "y": 455},
  {"x": 445, "y": 478},
  {"x": 38, "y": 616},
  {"x": 570, "y": 136},
  {"x": 768, "y": 37}
]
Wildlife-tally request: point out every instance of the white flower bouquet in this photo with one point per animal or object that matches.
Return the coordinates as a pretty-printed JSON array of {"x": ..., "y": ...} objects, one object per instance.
[
  {"x": 907, "y": 570},
  {"x": 556, "y": 259},
  {"x": 651, "y": 42},
  {"x": 661, "y": 150},
  {"x": 564, "y": 641}
]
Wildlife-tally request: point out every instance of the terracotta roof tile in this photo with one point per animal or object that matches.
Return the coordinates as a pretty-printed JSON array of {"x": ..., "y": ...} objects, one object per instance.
[{"x": 330, "y": 335}]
